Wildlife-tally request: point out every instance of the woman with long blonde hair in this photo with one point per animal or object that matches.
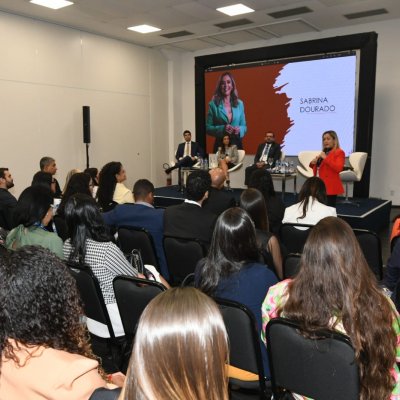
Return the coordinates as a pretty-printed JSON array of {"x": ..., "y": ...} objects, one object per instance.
[
  {"x": 180, "y": 350},
  {"x": 335, "y": 289}
]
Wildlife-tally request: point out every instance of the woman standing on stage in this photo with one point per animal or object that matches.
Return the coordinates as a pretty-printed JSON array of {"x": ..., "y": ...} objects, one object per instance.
[{"x": 327, "y": 165}]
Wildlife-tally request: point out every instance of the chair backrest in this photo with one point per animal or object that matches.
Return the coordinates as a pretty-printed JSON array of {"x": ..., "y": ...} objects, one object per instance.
[
  {"x": 291, "y": 265},
  {"x": 357, "y": 161},
  {"x": 241, "y": 153},
  {"x": 371, "y": 247},
  {"x": 322, "y": 367},
  {"x": 132, "y": 295},
  {"x": 93, "y": 301},
  {"x": 244, "y": 343},
  {"x": 293, "y": 238},
  {"x": 305, "y": 157},
  {"x": 130, "y": 238},
  {"x": 182, "y": 256}
]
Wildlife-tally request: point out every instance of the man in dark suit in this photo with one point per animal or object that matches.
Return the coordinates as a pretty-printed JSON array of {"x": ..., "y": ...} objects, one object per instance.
[
  {"x": 189, "y": 220},
  {"x": 187, "y": 153},
  {"x": 142, "y": 214},
  {"x": 7, "y": 200},
  {"x": 218, "y": 199},
  {"x": 268, "y": 149},
  {"x": 48, "y": 164}
]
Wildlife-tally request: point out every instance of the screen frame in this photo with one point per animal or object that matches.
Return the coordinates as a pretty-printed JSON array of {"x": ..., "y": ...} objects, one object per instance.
[{"x": 365, "y": 43}]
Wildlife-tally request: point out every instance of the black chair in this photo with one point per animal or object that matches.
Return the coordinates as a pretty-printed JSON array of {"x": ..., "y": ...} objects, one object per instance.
[
  {"x": 132, "y": 295},
  {"x": 97, "y": 314},
  {"x": 245, "y": 351},
  {"x": 182, "y": 257},
  {"x": 291, "y": 265},
  {"x": 320, "y": 366},
  {"x": 370, "y": 244},
  {"x": 293, "y": 238},
  {"x": 130, "y": 238}
]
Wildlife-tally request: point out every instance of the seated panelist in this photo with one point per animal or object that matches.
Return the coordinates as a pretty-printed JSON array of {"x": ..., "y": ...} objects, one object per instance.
[{"x": 187, "y": 153}]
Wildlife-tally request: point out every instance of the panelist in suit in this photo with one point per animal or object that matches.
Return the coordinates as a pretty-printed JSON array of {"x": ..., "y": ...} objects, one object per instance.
[
  {"x": 189, "y": 220},
  {"x": 142, "y": 214},
  {"x": 267, "y": 150},
  {"x": 187, "y": 153},
  {"x": 226, "y": 113}
]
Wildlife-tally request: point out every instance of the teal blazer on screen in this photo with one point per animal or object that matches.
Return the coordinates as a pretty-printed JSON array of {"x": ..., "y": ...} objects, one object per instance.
[{"x": 217, "y": 120}]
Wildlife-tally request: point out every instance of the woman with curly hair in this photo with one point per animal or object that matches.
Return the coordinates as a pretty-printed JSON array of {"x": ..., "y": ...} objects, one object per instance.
[
  {"x": 335, "y": 289},
  {"x": 111, "y": 190},
  {"x": 180, "y": 349},
  {"x": 45, "y": 353}
]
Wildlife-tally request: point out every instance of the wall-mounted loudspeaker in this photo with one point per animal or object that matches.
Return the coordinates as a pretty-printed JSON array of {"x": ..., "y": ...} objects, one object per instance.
[{"x": 86, "y": 124}]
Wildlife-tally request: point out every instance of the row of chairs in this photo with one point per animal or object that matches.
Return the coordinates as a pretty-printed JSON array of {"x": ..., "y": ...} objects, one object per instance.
[
  {"x": 294, "y": 239},
  {"x": 322, "y": 367},
  {"x": 181, "y": 254}
]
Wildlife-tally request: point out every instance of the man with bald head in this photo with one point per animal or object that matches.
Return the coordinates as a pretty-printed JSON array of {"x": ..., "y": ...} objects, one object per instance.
[{"x": 218, "y": 200}]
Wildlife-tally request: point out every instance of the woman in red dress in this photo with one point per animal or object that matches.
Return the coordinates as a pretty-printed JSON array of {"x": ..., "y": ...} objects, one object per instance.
[{"x": 328, "y": 164}]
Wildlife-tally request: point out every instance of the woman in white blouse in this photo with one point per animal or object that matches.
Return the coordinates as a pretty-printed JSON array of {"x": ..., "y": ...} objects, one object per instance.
[{"x": 312, "y": 205}]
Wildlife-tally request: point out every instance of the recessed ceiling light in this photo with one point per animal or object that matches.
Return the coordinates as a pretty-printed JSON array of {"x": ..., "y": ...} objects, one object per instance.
[
  {"x": 235, "y": 9},
  {"x": 54, "y": 4},
  {"x": 144, "y": 28}
]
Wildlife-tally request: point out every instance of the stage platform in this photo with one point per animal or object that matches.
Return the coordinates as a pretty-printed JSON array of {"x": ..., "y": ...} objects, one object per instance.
[{"x": 370, "y": 213}]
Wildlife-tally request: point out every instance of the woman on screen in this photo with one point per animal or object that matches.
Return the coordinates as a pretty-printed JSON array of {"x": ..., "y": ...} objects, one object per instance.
[
  {"x": 328, "y": 164},
  {"x": 226, "y": 113}
]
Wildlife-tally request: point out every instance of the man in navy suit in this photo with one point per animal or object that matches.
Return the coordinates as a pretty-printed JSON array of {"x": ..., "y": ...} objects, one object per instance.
[
  {"x": 187, "y": 153},
  {"x": 142, "y": 214}
]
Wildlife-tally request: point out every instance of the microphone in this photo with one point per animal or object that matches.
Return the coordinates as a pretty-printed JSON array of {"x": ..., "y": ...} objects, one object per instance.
[{"x": 320, "y": 159}]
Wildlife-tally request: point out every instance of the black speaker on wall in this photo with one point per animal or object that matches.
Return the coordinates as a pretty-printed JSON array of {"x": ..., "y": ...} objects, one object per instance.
[{"x": 86, "y": 124}]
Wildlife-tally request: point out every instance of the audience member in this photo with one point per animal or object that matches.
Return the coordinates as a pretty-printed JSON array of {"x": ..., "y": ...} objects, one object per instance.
[
  {"x": 218, "y": 199},
  {"x": 45, "y": 353},
  {"x": 188, "y": 220},
  {"x": 44, "y": 179},
  {"x": 90, "y": 243},
  {"x": 269, "y": 150},
  {"x": 232, "y": 270},
  {"x": 392, "y": 270},
  {"x": 94, "y": 174},
  {"x": 111, "y": 190},
  {"x": 335, "y": 289},
  {"x": 32, "y": 214},
  {"x": 262, "y": 180},
  {"x": 78, "y": 183},
  {"x": 68, "y": 177},
  {"x": 180, "y": 349},
  {"x": 252, "y": 201},
  {"x": 7, "y": 200},
  {"x": 142, "y": 214},
  {"x": 312, "y": 205},
  {"x": 187, "y": 153},
  {"x": 48, "y": 164}
]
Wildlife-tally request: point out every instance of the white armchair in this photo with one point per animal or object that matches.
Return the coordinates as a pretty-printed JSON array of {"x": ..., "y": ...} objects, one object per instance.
[
  {"x": 305, "y": 157},
  {"x": 357, "y": 162}
]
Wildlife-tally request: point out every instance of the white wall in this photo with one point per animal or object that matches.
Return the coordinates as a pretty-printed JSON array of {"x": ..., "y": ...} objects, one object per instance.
[
  {"x": 385, "y": 182},
  {"x": 48, "y": 72}
]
